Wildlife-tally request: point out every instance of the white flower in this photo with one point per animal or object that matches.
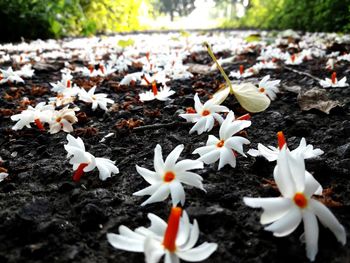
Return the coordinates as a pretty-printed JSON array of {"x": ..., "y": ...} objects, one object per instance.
[
  {"x": 101, "y": 71},
  {"x": 63, "y": 119},
  {"x": 271, "y": 153},
  {"x": 162, "y": 95},
  {"x": 334, "y": 82},
  {"x": 205, "y": 115},
  {"x": 65, "y": 83},
  {"x": 96, "y": 99},
  {"x": 3, "y": 176},
  {"x": 269, "y": 88},
  {"x": 131, "y": 78},
  {"x": 227, "y": 146},
  {"x": 159, "y": 77},
  {"x": 83, "y": 161},
  {"x": 26, "y": 71},
  {"x": 242, "y": 73},
  {"x": 294, "y": 59},
  {"x": 40, "y": 114},
  {"x": 175, "y": 240},
  {"x": 168, "y": 177},
  {"x": 285, "y": 213},
  {"x": 9, "y": 75}
]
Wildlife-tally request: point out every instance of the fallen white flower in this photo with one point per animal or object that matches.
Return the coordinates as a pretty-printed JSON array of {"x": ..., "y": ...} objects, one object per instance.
[
  {"x": 83, "y": 161},
  {"x": 169, "y": 176},
  {"x": 97, "y": 100},
  {"x": 175, "y": 240},
  {"x": 334, "y": 82},
  {"x": 285, "y": 213},
  {"x": 205, "y": 115},
  {"x": 227, "y": 146},
  {"x": 269, "y": 88}
]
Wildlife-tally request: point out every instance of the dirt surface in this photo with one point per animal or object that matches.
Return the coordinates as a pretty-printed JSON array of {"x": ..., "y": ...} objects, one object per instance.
[{"x": 46, "y": 217}]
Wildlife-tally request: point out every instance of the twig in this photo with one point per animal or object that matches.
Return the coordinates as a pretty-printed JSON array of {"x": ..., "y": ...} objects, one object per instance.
[
  {"x": 302, "y": 73},
  {"x": 161, "y": 125}
]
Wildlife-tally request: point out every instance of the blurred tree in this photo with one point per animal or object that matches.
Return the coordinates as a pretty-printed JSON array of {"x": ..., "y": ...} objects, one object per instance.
[
  {"x": 174, "y": 7},
  {"x": 55, "y": 18}
]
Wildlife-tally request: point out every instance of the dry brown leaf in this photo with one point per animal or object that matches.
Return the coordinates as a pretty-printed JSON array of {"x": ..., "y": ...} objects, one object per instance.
[
  {"x": 316, "y": 99},
  {"x": 327, "y": 199}
]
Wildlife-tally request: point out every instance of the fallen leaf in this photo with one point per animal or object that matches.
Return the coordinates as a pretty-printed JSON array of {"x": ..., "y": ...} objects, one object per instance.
[{"x": 316, "y": 99}]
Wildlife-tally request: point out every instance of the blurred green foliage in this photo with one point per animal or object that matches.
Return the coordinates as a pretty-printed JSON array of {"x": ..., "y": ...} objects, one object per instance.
[
  {"x": 56, "y": 18},
  {"x": 307, "y": 15}
]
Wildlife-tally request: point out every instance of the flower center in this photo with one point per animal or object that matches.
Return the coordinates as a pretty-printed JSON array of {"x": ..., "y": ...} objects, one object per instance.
[
  {"x": 262, "y": 90},
  {"x": 334, "y": 77},
  {"x": 205, "y": 113},
  {"x": 59, "y": 119},
  {"x": 281, "y": 139},
  {"x": 220, "y": 144},
  {"x": 172, "y": 229},
  {"x": 168, "y": 177},
  {"x": 300, "y": 200}
]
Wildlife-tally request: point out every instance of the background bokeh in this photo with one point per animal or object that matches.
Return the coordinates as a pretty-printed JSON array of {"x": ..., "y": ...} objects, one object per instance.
[{"x": 31, "y": 19}]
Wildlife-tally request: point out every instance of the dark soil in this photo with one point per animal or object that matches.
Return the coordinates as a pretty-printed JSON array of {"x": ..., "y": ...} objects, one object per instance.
[{"x": 46, "y": 217}]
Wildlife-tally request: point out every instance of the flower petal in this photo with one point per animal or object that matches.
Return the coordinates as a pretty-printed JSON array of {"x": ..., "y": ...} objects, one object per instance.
[
  {"x": 194, "y": 234},
  {"x": 210, "y": 157},
  {"x": 312, "y": 186},
  {"x": 226, "y": 157},
  {"x": 274, "y": 207},
  {"x": 159, "y": 195},
  {"x": 173, "y": 156},
  {"x": 311, "y": 234},
  {"x": 177, "y": 193},
  {"x": 153, "y": 250},
  {"x": 125, "y": 243},
  {"x": 328, "y": 220},
  {"x": 150, "y": 176},
  {"x": 236, "y": 143},
  {"x": 158, "y": 160},
  {"x": 283, "y": 175},
  {"x": 199, "y": 253},
  {"x": 191, "y": 179},
  {"x": 286, "y": 224},
  {"x": 187, "y": 164}
]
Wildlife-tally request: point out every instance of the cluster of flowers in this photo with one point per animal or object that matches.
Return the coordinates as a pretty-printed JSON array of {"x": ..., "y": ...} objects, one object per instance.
[{"x": 176, "y": 239}]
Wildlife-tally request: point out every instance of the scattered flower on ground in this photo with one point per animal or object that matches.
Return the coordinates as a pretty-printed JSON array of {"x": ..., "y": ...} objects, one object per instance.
[
  {"x": 227, "y": 147},
  {"x": 269, "y": 88},
  {"x": 205, "y": 115},
  {"x": 174, "y": 240},
  {"x": 271, "y": 153},
  {"x": 39, "y": 115},
  {"x": 334, "y": 82},
  {"x": 84, "y": 161},
  {"x": 169, "y": 176},
  {"x": 63, "y": 119},
  {"x": 284, "y": 214},
  {"x": 97, "y": 100}
]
